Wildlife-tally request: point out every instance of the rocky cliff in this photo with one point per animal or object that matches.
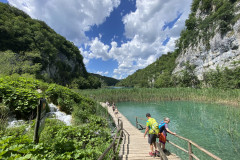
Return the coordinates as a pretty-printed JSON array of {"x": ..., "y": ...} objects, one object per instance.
[{"x": 221, "y": 50}]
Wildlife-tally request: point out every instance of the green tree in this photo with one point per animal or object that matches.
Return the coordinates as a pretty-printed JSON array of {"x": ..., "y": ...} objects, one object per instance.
[
  {"x": 188, "y": 77},
  {"x": 164, "y": 80},
  {"x": 11, "y": 63},
  {"x": 191, "y": 23},
  {"x": 222, "y": 78}
]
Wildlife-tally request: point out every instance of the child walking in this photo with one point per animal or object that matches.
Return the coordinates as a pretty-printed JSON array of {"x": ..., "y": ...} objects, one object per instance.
[{"x": 163, "y": 132}]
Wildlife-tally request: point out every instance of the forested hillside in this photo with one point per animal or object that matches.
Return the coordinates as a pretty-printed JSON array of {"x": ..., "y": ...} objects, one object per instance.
[
  {"x": 207, "y": 53},
  {"x": 31, "y": 46},
  {"x": 106, "y": 81},
  {"x": 155, "y": 75}
]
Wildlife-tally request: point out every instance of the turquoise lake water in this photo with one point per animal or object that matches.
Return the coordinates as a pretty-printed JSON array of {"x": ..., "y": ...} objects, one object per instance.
[{"x": 214, "y": 127}]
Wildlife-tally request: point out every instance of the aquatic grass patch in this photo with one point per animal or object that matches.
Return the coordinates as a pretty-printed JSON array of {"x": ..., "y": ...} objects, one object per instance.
[{"x": 209, "y": 95}]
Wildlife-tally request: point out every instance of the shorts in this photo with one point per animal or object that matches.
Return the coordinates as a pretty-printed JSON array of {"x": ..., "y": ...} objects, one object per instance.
[
  {"x": 152, "y": 138},
  {"x": 162, "y": 138}
]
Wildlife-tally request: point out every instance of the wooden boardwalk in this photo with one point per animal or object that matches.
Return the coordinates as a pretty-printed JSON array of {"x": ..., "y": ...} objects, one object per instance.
[{"x": 134, "y": 145}]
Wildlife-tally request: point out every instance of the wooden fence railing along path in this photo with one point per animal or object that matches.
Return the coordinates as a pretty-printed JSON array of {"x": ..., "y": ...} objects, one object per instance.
[
  {"x": 189, "y": 142},
  {"x": 133, "y": 145}
]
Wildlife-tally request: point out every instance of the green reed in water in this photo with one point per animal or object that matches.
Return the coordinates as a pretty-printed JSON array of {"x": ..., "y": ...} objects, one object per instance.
[{"x": 210, "y": 95}]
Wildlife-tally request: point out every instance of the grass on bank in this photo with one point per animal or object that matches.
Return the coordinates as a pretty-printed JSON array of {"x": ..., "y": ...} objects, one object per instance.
[{"x": 209, "y": 95}]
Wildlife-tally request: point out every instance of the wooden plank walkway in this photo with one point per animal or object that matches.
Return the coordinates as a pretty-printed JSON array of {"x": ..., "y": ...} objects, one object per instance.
[{"x": 133, "y": 146}]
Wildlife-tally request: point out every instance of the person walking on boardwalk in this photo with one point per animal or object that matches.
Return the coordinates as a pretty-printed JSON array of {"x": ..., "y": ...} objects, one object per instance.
[
  {"x": 107, "y": 103},
  {"x": 163, "y": 127},
  {"x": 116, "y": 112},
  {"x": 113, "y": 106},
  {"x": 152, "y": 130}
]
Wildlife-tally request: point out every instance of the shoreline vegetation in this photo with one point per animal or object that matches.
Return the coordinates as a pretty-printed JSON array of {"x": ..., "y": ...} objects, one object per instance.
[
  {"x": 207, "y": 95},
  {"x": 87, "y": 137}
]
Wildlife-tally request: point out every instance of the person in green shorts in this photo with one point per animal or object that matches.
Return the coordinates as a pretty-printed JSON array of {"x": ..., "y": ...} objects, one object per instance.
[{"x": 152, "y": 134}]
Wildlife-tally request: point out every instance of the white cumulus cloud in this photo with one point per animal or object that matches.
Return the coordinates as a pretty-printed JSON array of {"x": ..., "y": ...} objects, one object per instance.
[
  {"x": 144, "y": 28},
  {"x": 102, "y": 73}
]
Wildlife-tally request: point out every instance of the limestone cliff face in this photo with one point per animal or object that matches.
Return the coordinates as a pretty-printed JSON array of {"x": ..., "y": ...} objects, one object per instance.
[
  {"x": 71, "y": 67},
  {"x": 222, "y": 51}
]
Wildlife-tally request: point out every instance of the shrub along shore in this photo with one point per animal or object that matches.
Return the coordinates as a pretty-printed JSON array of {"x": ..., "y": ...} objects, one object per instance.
[
  {"x": 207, "y": 95},
  {"x": 87, "y": 137}
]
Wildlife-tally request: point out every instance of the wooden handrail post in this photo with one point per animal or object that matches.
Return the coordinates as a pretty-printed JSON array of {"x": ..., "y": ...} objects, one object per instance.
[
  {"x": 114, "y": 153},
  {"x": 41, "y": 111},
  {"x": 162, "y": 154},
  {"x": 190, "y": 150},
  {"x": 136, "y": 123}
]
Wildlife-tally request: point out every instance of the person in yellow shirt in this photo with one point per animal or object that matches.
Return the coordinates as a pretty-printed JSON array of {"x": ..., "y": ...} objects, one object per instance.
[{"x": 152, "y": 133}]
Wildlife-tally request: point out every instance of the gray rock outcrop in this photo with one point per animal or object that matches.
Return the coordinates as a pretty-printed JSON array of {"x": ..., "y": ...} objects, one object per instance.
[{"x": 223, "y": 52}]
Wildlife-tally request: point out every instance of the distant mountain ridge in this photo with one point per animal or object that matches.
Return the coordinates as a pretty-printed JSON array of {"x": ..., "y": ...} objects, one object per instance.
[{"x": 108, "y": 81}]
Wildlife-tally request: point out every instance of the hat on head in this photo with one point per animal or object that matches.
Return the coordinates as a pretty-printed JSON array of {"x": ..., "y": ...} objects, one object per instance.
[{"x": 148, "y": 115}]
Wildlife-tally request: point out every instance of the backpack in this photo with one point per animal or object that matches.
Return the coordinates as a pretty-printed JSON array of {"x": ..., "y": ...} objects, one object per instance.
[
  {"x": 161, "y": 126},
  {"x": 155, "y": 128}
]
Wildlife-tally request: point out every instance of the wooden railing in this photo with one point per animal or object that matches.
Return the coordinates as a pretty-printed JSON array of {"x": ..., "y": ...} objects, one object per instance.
[
  {"x": 190, "y": 143},
  {"x": 114, "y": 146},
  {"x": 190, "y": 153},
  {"x": 139, "y": 124},
  {"x": 162, "y": 154}
]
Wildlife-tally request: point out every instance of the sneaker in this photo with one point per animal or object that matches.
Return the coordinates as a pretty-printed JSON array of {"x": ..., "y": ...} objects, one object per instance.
[
  {"x": 157, "y": 153},
  {"x": 151, "y": 154}
]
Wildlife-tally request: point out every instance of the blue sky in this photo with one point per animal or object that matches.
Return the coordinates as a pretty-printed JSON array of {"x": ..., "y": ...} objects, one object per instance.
[{"x": 115, "y": 37}]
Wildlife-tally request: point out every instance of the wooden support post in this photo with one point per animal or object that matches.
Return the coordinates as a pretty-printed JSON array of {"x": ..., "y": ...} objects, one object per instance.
[
  {"x": 36, "y": 136},
  {"x": 41, "y": 110},
  {"x": 114, "y": 149},
  {"x": 190, "y": 150},
  {"x": 162, "y": 154},
  {"x": 136, "y": 123}
]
